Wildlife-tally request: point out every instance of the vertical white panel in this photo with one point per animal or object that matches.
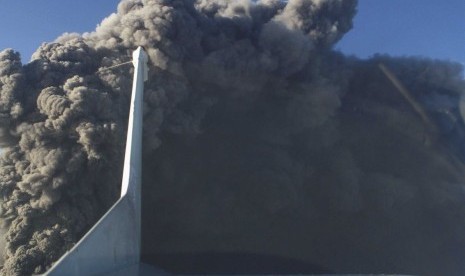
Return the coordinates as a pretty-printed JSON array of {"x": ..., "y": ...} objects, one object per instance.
[{"x": 114, "y": 242}]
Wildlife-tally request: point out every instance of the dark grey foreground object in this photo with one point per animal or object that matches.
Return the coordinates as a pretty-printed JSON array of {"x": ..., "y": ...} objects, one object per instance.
[{"x": 140, "y": 269}]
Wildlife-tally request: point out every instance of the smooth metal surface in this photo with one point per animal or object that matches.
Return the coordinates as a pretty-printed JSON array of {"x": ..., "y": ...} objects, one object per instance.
[{"x": 114, "y": 241}]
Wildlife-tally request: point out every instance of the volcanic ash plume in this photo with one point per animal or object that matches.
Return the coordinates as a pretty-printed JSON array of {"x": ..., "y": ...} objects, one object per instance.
[{"x": 258, "y": 138}]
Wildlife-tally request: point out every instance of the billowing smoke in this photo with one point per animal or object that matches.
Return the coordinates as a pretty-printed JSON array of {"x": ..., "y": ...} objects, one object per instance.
[{"x": 258, "y": 138}]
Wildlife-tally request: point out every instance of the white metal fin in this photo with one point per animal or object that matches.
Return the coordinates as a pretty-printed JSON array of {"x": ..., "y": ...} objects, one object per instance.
[{"x": 114, "y": 241}]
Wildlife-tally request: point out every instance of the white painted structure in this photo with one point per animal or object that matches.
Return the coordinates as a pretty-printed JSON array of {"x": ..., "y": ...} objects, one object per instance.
[{"x": 113, "y": 244}]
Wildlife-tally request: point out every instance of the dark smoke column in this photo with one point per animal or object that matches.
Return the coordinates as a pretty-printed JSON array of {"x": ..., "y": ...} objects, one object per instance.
[
  {"x": 257, "y": 138},
  {"x": 63, "y": 116},
  {"x": 62, "y": 129}
]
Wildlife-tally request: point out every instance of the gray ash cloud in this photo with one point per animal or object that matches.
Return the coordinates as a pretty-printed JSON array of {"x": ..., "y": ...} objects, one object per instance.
[{"x": 258, "y": 138}]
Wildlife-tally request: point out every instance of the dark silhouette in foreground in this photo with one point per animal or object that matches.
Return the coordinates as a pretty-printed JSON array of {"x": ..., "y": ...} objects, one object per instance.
[{"x": 231, "y": 263}]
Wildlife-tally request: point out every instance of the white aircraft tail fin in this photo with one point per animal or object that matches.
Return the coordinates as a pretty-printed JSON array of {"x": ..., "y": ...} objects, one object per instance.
[{"x": 114, "y": 241}]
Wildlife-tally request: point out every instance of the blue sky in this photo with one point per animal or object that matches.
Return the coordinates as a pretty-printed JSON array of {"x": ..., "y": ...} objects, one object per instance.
[
  {"x": 432, "y": 28},
  {"x": 28, "y": 23}
]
